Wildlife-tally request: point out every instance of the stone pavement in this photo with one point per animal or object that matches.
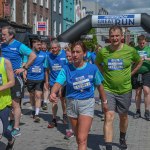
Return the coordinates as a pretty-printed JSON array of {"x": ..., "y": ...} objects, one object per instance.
[{"x": 36, "y": 136}]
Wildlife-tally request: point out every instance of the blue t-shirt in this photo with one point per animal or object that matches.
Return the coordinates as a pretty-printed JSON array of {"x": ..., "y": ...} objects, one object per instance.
[
  {"x": 80, "y": 82},
  {"x": 36, "y": 71},
  {"x": 55, "y": 63},
  {"x": 93, "y": 57},
  {"x": 14, "y": 52}
]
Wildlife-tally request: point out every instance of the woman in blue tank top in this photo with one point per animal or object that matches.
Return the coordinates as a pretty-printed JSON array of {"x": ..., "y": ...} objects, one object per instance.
[{"x": 80, "y": 78}]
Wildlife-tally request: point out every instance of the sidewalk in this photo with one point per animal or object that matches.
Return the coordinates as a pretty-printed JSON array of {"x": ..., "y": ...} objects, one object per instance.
[{"x": 36, "y": 136}]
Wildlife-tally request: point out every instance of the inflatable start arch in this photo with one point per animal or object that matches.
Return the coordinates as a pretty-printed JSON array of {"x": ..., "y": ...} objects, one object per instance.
[{"x": 104, "y": 21}]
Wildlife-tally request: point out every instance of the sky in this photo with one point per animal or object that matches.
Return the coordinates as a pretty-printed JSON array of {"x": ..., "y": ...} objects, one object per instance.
[{"x": 125, "y": 6}]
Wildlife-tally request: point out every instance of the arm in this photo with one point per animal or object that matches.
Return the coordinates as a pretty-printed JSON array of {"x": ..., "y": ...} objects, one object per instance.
[
  {"x": 100, "y": 67},
  {"x": 31, "y": 58},
  {"x": 54, "y": 90},
  {"x": 137, "y": 67},
  {"x": 10, "y": 76},
  {"x": 102, "y": 94}
]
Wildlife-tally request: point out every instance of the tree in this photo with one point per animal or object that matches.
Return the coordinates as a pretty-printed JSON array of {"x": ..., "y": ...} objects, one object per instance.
[{"x": 90, "y": 44}]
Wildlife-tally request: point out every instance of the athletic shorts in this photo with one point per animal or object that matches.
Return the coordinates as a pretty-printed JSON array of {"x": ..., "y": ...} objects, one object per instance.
[
  {"x": 119, "y": 103},
  {"x": 17, "y": 91},
  {"x": 80, "y": 107},
  {"x": 35, "y": 85},
  {"x": 140, "y": 80}
]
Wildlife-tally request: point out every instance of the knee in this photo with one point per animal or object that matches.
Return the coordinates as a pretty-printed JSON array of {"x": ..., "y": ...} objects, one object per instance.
[
  {"x": 81, "y": 140},
  {"x": 109, "y": 118}
]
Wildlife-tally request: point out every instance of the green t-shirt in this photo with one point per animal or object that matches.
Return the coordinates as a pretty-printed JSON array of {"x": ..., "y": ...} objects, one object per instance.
[
  {"x": 117, "y": 68},
  {"x": 146, "y": 63}
]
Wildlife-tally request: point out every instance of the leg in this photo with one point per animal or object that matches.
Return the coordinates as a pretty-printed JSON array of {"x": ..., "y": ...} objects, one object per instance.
[
  {"x": 16, "y": 112},
  {"x": 83, "y": 127},
  {"x": 146, "y": 91}
]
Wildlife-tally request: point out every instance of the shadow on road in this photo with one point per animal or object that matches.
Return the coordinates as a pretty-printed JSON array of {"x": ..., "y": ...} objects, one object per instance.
[
  {"x": 54, "y": 148},
  {"x": 2, "y": 145}
]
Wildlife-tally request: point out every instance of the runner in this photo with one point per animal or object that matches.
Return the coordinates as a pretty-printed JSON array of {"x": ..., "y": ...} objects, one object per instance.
[
  {"x": 6, "y": 82},
  {"x": 115, "y": 61},
  {"x": 35, "y": 78},
  {"x": 14, "y": 51},
  {"x": 56, "y": 61},
  {"x": 81, "y": 78}
]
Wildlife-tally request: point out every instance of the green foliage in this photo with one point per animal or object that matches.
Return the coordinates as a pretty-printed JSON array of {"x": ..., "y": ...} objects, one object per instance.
[{"x": 90, "y": 44}]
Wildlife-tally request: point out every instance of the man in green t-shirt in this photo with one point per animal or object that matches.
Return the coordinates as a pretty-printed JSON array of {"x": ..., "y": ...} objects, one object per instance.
[
  {"x": 115, "y": 61},
  {"x": 141, "y": 80}
]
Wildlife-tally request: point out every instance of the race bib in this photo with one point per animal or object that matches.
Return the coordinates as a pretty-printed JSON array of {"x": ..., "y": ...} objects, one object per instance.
[
  {"x": 1, "y": 80},
  {"x": 115, "y": 64},
  {"x": 56, "y": 67},
  {"x": 36, "y": 69},
  {"x": 142, "y": 54},
  {"x": 81, "y": 83}
]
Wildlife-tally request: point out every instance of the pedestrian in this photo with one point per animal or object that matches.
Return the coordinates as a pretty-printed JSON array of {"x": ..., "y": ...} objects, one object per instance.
[
  {"x": 141, "y": 80},
  {"x": 14, "y": 51},
  {"x": 6, "y": 82},
  {"x": 56, "y": 61},
  {"x": 36, "y": 75},
  {"x": 80, "y": 78},
  {"x": 115, "y": 61}
]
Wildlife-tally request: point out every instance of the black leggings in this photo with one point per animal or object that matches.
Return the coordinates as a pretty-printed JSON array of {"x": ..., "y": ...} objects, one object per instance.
[{"x": 4, "y": 114}]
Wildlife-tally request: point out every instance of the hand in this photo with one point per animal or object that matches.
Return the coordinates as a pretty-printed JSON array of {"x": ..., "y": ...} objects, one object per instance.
[
  {"x": 105, "y": 107},
  {"x": 18, "y": 71},
  {"x": 53, "y": 98}
]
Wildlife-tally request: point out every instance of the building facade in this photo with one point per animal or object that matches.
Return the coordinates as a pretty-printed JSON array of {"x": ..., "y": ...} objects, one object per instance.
[
  {"x": 68, "y": 14},
  {"x": 56, "y": 17}
]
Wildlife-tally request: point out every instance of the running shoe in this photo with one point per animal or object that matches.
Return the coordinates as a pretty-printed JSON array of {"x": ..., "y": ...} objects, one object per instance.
[
  {"x": 69, "y": 134},
  {"x": 52, "y": 124},
  {"x": 44, "y": 106},
  {"x": 10, "y": 145},
  {"x": 147, "y": 115},
  {"x": 36, "y": 119},
  {"x": 15, "y": 132},
  {"x": 137, "y": 115},
  {"x": 123, "y": 144}
]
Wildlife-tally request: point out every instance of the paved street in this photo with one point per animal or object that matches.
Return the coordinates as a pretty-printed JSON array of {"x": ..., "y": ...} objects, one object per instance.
[{"x": 36, "y": 136}]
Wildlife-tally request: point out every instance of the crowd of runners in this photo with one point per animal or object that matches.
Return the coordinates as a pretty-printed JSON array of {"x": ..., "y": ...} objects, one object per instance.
[{"x": 71, "y": 75}]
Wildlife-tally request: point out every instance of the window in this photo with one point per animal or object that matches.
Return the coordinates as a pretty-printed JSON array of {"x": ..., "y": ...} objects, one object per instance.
[
  {"x": 59, "y": 7},
  {"x": 41, "y": 19},
  {"x": 59, "y": 28},
  {"x": 35, "y": 23},
  {"x": 47, "y": 25},
  {"x": 34, "y": 1},
  {"x": 54, "y": 4},
  {"x": 25, "y": 11},
  {"x": 41, "y": 2},
  {"x": 13, "y": 10},
  {"x": 46, "y": 3},
  {"x": 54, "y": 28}
]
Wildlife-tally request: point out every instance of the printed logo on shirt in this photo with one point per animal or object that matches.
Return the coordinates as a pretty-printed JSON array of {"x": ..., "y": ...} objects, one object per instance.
[
  {"x": 36, "y": 69},
  {"x": 1, "y": 79},
  {"x": 81, "y": 83},
  {"x": 41, "y": 56},
  {"x": 115, "y": 64},
  {"x": 56, "y": 67},
  {"x": 14, "y": 49},
  {"x": 62, "y": 58}
]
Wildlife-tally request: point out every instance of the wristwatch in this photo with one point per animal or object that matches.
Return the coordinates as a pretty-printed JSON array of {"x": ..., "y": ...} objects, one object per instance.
[{"x": 25, "y": 68}]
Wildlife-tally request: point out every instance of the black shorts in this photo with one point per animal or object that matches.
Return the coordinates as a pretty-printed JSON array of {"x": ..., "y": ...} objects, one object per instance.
[
  {"x": 17, "y": 91},
  {"x": 35, "y": 85},
  {"x": 140, "y": 80}
]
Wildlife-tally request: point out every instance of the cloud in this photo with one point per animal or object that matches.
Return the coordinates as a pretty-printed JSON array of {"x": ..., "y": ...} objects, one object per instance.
[{"x": 125, "y": 6}]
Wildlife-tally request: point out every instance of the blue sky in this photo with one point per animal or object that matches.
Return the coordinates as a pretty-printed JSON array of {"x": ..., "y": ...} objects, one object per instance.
[{"x": 125, "y": 6}]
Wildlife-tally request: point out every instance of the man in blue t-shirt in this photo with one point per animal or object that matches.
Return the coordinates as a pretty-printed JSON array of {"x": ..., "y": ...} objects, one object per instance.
[
  {"x": 14, "y": 51},
  {"x": 56, "y": 61},
  {"x": 36, "y": 78}
]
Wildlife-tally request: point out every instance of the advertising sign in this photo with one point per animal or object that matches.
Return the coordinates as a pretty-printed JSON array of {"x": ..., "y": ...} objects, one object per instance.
[
  {"x": 104, "y": 21},
  {"x": 41, "y": 26}
]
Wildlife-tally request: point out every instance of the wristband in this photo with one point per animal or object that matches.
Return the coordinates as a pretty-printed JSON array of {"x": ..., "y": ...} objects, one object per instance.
[
  {"x": 105, "y": 102},
  {"x": 25, "y": 68}
]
